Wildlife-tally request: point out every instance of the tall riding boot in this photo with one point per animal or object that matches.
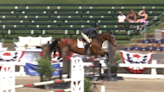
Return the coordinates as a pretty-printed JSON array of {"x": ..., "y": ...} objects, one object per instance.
[{"x": 87, "y": 48}]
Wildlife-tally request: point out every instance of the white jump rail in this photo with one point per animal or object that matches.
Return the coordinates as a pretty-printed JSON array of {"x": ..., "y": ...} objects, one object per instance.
[{"x": 153, "y": 67}]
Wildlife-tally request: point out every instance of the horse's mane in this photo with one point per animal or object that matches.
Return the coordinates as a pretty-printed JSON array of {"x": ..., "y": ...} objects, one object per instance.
[{"x": 99, "y": 35}]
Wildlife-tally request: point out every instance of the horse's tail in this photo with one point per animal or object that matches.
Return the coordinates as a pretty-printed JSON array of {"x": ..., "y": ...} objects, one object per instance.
[{"x": 54, "y": 45}]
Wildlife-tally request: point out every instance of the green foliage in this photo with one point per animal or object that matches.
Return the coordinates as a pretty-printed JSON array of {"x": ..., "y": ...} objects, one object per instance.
[
  {"x": 117, "y": 57},
  {"x": 45, "y": 69},
  {"x": 87, "y": 85}
]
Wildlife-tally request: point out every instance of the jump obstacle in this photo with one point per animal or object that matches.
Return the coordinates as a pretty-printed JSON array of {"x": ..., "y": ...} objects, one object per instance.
[
  {"x": 77, "y": 78},
  {"x": 85, "y": 64},
  {"x": 111, "y": 71}
]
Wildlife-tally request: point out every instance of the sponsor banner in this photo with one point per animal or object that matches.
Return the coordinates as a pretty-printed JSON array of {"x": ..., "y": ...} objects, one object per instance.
[{"x": 30, "y": 69}]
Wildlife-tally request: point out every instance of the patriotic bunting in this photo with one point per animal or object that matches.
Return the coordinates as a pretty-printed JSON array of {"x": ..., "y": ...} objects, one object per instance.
[{"x": 136, "y": 58}]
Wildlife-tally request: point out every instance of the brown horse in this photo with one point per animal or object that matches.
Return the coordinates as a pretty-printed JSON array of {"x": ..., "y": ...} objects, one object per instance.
[
  {"x": 95, "y": 48},
  {"x": 66, "y": 45}
]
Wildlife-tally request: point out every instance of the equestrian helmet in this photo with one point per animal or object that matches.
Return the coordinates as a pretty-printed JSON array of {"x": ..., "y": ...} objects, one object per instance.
[{"x": 96, "y": 25}]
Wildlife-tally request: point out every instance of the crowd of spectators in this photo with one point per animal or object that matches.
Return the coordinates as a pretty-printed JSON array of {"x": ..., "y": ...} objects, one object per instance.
[{"x": 131, "y": 17}]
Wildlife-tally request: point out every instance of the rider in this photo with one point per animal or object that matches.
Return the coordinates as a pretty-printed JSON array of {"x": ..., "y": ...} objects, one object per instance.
[{"x": 88, "y": 34}]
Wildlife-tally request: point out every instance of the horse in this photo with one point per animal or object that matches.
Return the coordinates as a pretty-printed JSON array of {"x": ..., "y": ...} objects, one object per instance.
[
  {"x": 95, "y": 47},
  {"x": 66, "y": 45}
]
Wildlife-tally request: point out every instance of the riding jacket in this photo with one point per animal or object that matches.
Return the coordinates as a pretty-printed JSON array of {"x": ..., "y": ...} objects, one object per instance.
[{"x": 90, "y": 32}]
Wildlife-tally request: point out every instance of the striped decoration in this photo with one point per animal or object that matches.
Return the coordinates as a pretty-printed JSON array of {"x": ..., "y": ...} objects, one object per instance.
[
  {"x": 61, "y": 90},
  {"x": 43, "y": 83},
  {"x": 88, "y": 65}
]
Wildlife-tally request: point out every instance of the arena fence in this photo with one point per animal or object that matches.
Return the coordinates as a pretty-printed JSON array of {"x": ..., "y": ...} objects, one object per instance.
[{"x": 153, "y": 67}]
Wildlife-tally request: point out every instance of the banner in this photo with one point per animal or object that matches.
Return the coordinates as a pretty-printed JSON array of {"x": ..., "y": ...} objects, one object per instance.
[
  {"x": 9, "y": 56},
  {"x": 136, "y": 58},
  {"x": 30, "y": 69}
]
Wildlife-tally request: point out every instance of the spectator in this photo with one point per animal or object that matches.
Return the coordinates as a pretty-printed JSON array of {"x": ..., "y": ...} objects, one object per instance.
[
  {"x": 131, "y": 17},
  {"x": 143, "y": 16},
  {"x": 121, "y": 18}
]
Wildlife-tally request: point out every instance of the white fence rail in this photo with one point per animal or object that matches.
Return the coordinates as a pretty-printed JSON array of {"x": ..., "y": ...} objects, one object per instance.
[{"x": 153, "y": 67}]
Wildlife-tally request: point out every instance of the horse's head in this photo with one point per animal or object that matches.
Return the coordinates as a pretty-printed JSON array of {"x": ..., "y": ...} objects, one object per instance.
[{"x": 111, "y": 38}]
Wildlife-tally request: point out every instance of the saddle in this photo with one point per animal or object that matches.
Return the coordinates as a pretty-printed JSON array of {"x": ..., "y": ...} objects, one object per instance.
[{"x": 81, "y": 43}]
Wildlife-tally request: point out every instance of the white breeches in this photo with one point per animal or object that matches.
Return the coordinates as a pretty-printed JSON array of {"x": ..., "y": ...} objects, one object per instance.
[{"x": 89, "y": 40}]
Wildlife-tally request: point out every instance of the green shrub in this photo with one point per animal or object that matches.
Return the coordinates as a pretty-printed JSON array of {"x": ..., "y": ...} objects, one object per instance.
[
  {"x": 87, "y": 85},
  {"x": 117, "y": 57},
  {"x": 45, "y": 69}
]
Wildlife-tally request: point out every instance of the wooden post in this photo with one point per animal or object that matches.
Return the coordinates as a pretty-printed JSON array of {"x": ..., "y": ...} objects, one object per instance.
[
  {"x": 109, "y": 62},
  {"x": 66, "y": 63},
  {"x": 112, "y": 68}
]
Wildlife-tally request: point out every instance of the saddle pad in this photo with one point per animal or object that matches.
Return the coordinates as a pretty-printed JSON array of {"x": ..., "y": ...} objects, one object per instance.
[
  {"x": 105, "y": 46},
  {"x": 80, "y": 44}
]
